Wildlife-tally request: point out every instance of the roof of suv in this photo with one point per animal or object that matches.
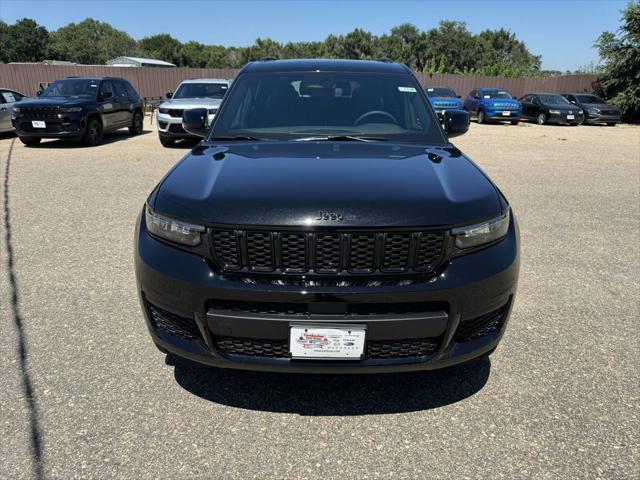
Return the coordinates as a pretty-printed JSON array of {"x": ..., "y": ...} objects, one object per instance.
[
  {"x": 206, "y": 80},
  {"x": 329, "y": 65}
]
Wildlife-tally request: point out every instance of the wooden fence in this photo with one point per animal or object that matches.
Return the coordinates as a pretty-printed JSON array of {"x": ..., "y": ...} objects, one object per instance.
[{"x": 155, "y": 82}]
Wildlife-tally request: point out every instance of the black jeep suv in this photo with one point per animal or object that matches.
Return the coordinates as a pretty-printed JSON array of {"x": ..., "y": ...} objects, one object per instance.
[
  {"x": 79, "y": 108},
  {"x": 325, "y": 223}
]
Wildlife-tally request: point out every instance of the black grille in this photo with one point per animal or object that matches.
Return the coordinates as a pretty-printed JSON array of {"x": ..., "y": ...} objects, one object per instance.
[
  {"x": 609, "y": 112},
  {"x": 328, "y": 253},
  {"x": 252, "y": 347},
  {"x": 176, "y": 128},
  {"x": 175, "y": 112},
  {"x": 412, "y": 347},
  {"x": 374, "y": 350},
  {"x": 173, "y": 324},
  {"x": 350, "y": 309},
  {"x": 40, "y": 113},
  {"x": 480, "y": 326},
  {"x": 271, "y": 308}
]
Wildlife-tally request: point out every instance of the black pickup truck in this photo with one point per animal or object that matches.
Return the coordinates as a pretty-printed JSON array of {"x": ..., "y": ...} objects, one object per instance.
[{"x": 325, "y": 223}]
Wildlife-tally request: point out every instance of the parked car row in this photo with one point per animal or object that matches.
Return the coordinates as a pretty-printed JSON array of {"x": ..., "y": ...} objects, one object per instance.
[{"x": 497, "y": 104}]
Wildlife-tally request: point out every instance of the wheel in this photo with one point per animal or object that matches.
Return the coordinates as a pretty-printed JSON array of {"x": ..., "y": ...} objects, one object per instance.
[
  {"x": 574, "y": 124},
  {"x": 611, "y": 124},
  {"x": 167, "y": 141},
  {"x": 93, "y": 133},
  {"x": 30, "y": 141},
  {"x": 137, "y": 123},
  {"x": 481, "y": 118},
  {"x": 515, "y": 122},
  {"x": 542, "y": 119}
]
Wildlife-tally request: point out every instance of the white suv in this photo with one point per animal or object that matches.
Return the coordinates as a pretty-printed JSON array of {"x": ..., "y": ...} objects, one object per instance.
[{"x": 195, "y": 93}]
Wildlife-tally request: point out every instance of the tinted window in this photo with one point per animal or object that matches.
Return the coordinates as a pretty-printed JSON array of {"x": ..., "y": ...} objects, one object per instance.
[
  {"x": 121, "y": 89},
  {"x": 131, "y": 90},
  {"x": 302, "y": 104},
  {"x": 553, "y": 99},
  {"x": 10, "y": 97},
  {"x": 107, "y": 87},
  {"x": 201, "y": 90},
  {"x": 490, "y": 94},
  {"x": 72, "y": 87},
  {"x": 439, "y": 92},
  {"x": 589, "y": 99}
]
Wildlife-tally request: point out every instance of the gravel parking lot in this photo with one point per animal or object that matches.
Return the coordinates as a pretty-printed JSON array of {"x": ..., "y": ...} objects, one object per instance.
[{"x": 85, "y": 394}]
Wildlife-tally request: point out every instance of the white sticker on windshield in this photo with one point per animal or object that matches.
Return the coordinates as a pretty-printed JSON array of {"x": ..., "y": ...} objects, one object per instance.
[
  {"x": 487, "y": 96},
  {"x": 429, "y": 89},
  {"x": 407, "y": 89}
]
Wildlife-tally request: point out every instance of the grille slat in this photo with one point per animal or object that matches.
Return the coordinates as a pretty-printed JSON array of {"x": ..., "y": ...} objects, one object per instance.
[
  {"x": 481, "y": 326},
  {"x": 173, "y": 324},
  {"x": 328, "y": 253}
]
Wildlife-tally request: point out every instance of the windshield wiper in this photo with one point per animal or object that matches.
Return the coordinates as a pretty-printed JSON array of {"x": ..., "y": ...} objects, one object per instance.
[
  {"x": 236, "y": 137},
  {"x": 341, "y": 138}
]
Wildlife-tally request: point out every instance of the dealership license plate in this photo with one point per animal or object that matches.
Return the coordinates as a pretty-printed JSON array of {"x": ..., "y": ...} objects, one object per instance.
[
  {"x": 338, "y": 342},
  {"x": 38, "y": 124},
  {"x": 506, "y": 114},
  {"x": 570, "y": 117}
]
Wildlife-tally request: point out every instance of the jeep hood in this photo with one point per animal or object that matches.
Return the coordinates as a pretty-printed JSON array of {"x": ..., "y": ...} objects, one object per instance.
[
  {"x": 290, "y": 183},
  {"x": 54, "y": 102},
  {"x": 185, "y": 103}
]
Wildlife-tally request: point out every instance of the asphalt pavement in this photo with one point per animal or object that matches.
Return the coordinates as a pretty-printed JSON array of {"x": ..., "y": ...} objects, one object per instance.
[{"x": 85, "y": 394}]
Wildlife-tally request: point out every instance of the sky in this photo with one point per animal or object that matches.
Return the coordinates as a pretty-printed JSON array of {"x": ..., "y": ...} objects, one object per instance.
[{"x": 562, "y": 31}]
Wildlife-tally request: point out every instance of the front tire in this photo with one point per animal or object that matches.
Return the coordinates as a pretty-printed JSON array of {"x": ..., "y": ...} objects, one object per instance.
[
  {"x": 611, "y": 124},
  {"x": 30, "y": 141},
  {"x": 137, "y": 124},
  {"x": 542, "y": 119},
  {"x": 167, "y": 142},
  {"x": 481, "y": 118},
  {"x": 515, "y": 122},
  {"x": 93, "y": 133}
]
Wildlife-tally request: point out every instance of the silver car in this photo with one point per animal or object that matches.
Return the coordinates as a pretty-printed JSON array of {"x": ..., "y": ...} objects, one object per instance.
[
  {"x": 8, "y": 98},
  {"x": 195, "y": 93}
]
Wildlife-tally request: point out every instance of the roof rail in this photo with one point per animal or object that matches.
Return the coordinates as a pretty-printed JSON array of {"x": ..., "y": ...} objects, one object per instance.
[
  {"x": 385, "y": 60},
  {"x": 267, "y": 59}
]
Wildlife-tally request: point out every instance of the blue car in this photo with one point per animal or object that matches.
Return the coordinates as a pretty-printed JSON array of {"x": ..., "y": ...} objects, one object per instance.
[
  {"x": 443, "y": 98},
  {"x": 493, "y": 104}
]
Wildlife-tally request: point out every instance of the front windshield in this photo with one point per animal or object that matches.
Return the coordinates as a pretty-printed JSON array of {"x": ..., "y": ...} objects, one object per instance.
[
  {"x": 439, "y": 92},
  {"x": 201, "y": 90},
  {"x": 553, "y": 99},
  {"x": 488, "y": 94},
  {"x": 589, "y": 99},
  {"x": 301, "y": 105},
  {"x": 72, "y": 87}
]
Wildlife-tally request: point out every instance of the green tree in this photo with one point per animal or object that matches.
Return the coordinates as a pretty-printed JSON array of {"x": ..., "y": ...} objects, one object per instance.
[
  {"x": 162, "y": 47},
  {"x": 24, "y": 41},
  {"x": 90, "y": 42},
  {"x": 501, "y": 51},
  {"x": 620, "y": 54}
]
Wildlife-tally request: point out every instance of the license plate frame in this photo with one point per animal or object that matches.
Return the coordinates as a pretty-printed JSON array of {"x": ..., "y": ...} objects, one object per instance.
[
  {"x": 571, "y": 117},
  {"x": 313, "y": 341},
  {"x": 38, "y": 124},
  {"x": 506, "y": 113}
]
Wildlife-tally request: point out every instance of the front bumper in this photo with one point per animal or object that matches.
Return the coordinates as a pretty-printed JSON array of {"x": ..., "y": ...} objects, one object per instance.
[
  {"x": 598, "y": 118},
  {"x": 186, "y": 308},
  {"x": 56, "y": 126},
  {"x": 171, "y": 127},
  {"x": 564, "y": 118},
  {"x": 501, "y": 114}
]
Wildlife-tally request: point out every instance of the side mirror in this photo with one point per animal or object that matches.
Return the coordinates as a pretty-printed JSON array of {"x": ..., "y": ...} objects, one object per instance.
[
  {"x": 458, "y": 96},
  {"x": 104, "y": 95},
  {"x": 476, "y": 97},
  {"x": 196, "y": 121},
  {"x": 455, "y": 122},
  {"x": 169, "y": 94}
]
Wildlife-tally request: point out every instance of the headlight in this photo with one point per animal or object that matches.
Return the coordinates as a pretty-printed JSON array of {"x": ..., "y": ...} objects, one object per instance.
[
  {"x": 481, "y": 233},
  {"x": 173, "y": 230},
  {"x": 555, "y": 112},
  {"x": 16, "y": 109},
  {"x": 70, "y": 109},
  {"x": 594, "y": 110}
]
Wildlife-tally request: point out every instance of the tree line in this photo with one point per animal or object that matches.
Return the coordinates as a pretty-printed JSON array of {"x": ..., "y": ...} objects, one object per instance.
[{"x": 448, "y": 48}]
